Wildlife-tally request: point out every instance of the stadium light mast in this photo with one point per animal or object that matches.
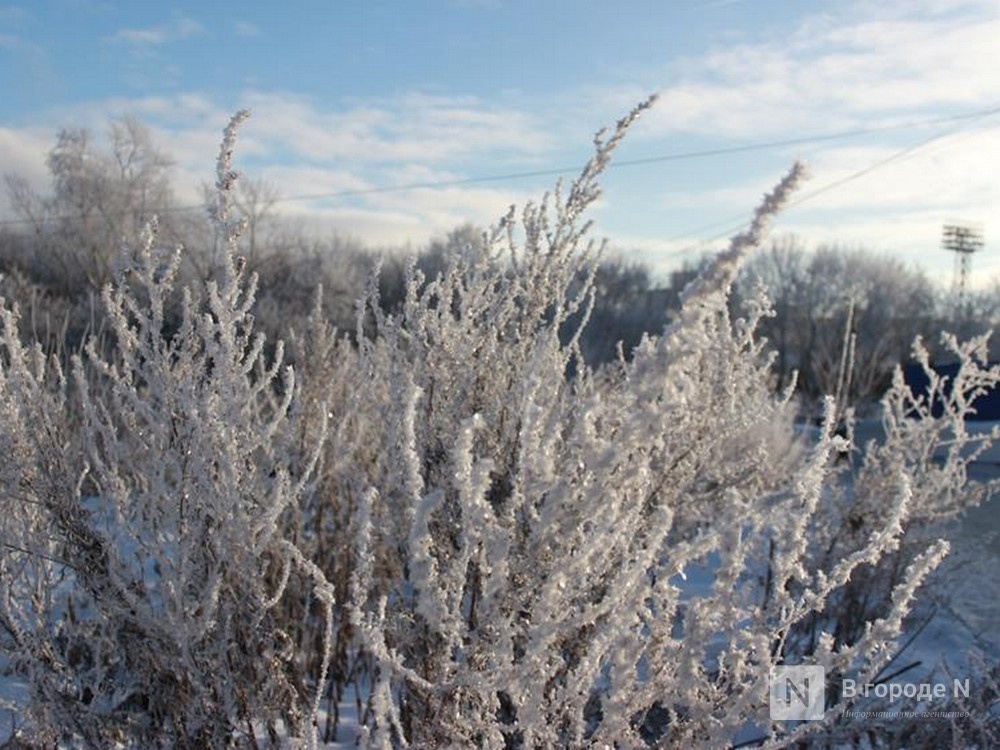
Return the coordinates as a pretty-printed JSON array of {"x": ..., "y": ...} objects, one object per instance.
[{"x": 963, "y": 240}]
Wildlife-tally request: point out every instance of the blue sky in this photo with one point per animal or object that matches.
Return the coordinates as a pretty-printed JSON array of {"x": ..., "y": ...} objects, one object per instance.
[{"x": 354, "y": 96}]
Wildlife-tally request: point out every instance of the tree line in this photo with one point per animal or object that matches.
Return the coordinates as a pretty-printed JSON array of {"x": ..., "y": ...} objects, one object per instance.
[{"x": 65, "y": 245}]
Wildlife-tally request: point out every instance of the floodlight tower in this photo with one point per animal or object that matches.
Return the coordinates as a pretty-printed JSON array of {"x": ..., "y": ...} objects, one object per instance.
[{"x": 963, "y": 240}]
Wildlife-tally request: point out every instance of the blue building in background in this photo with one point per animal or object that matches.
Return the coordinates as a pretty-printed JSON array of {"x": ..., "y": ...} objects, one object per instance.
[{"x": 987, "y": 405}]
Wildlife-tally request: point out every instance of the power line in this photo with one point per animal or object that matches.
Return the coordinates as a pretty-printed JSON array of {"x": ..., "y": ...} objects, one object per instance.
[
  {"x": 894, "y": 157},
  {"x": 677, "y": 156}
]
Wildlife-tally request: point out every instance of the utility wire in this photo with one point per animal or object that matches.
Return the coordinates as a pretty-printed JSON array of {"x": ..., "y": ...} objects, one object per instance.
[
  {"x": 900, "y": 155},
  {"x": 677, "y": 156}
]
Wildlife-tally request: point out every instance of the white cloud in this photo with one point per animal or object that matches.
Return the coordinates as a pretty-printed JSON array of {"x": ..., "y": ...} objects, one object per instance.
[
  {"x": 385, "y": 218},
  {"x": 23, "y": 153},
  {"x": 154, "y": 36},
  {"x": 298, "y": 184},
  {"x": 866, "y": 67},
  {"x": 899, "y": 208},
  {"x": 20, "y": 45},
  {"x": 413, "y": 127},
  {"x": 246, "y": 29},
  {"x": 953, "y": 174},
  {"x": 956, "y": 171},
  {"x": 862, "y": 66}
]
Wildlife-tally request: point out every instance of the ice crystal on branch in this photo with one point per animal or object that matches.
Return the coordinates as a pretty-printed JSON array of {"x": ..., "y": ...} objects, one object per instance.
[
  {"x": 525, "y": 537},
  {"x": 161, "y": 628}
]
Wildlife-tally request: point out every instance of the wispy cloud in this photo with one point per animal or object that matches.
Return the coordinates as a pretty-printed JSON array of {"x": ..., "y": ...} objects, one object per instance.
[
  {"x": 412, "y": 127},
  {"x": 245, "y": 29},
  {"x": 858, "y": 67},
  {"x": 305, "y": 148},
  {"x": 15, "y": 19},
  {"x": 13, "y": 15},
  {"x": 155, "y": 36}
]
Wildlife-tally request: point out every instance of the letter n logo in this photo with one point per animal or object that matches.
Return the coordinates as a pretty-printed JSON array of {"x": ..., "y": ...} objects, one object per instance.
[{"x": 797, "y": 693}]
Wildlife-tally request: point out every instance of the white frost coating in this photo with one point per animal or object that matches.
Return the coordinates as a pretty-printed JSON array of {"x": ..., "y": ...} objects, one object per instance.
[
  {"x": 527, "y": 553},
  {"x": 165, "y": 610},
  {"x": 559, "y": 516}
]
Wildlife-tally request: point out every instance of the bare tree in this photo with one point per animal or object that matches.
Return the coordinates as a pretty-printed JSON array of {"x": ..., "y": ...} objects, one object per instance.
[
  {"x": 781, "y": 268},
  {"x": 813, "y": 294},
  {"x": 255, "y": 199},
  {"x": 625, "y": 308},
  {"x": 100, "y": 201}
]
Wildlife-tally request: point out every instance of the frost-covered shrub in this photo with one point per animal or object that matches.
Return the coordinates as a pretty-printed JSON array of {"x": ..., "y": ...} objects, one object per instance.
[
  {"x": 523, "y": 544},
  {"x": 142, "y": 563},
  {"x": 923, "y": 436},
  {"x": 504, "y": 547},
  {"x": 956, "y": 721},
  {"x": 322, "y": 524}
]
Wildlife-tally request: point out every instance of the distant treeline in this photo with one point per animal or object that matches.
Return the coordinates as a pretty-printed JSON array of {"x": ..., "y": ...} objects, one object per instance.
[{"x": 69, "y": 242}]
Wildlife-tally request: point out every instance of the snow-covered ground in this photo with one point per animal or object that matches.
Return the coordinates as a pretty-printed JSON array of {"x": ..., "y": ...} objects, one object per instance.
[
  {"x": 966, "y": 588},
  {"x": 964, "y": 592},
  {"x": 347, "y": 728}
]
